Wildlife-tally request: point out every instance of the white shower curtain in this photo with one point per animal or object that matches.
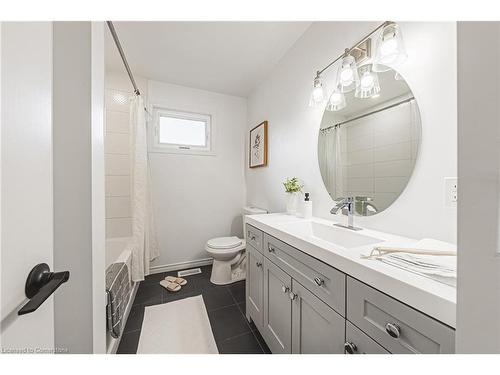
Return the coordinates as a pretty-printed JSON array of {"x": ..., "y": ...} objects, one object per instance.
[
  {"x": 330, "y": 152},
  {"x": 145, "y": 244}
]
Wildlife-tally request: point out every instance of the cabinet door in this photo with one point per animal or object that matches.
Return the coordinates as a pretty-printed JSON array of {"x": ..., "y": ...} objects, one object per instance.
[
  {"x": 357, "y": 342},
  {"x": 255, "y": 287},
  {"x": 316, "y": 327},
  {"x": 277, "y": 329}
]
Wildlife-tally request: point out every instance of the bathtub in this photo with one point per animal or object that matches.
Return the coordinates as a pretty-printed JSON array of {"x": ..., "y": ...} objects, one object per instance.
[{"x": 119, "y": 250}]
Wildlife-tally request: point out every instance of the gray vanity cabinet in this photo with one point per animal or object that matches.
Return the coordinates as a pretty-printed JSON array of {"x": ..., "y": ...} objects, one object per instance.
[
  {"x": 255, "y": 287},
  {"x": 277, "y": 330},
  {"x": 316, "y": 327},
  {"x": 301, "y": 305}
]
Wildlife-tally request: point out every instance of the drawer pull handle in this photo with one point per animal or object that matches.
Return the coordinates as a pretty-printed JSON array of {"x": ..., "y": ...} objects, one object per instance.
[
  {"x": 350, "y": 348},
  {"x": 319, "y": 281},
  {"x": 285, "y": 289},
  {"x": 252, "y": 238},
  {"x": 270, "y": 249},
  {"x": 292, "y": 296},
  {"x": 258, "y": 264},
  {"x": 393, "y": 330}
]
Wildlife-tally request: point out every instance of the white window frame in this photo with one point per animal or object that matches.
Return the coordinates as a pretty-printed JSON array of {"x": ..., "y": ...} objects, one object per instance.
[{"x": 170, "y": 148}]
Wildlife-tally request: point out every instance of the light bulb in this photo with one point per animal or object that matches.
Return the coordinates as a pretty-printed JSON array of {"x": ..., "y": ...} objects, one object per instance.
[
  {"x": 346, "y": 77},
  {"x": 390, "y": 50},
  {"x": 369, "y": 84},
  {"x": 337, "y": 101},
  {"x": 336, "y": 98},
  {"x": 347, "y": 74},
  {"x": 367, "y": 81},
  {"x": 388, "y": 47},
  {"x": 318, "y": 94}
]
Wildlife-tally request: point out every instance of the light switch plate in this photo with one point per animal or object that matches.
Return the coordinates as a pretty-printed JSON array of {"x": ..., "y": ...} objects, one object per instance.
[{"x": 450, "y": 191}]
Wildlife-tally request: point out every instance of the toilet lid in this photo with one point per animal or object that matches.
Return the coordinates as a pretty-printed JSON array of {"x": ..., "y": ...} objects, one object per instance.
[{"x": 224, "y": 242}]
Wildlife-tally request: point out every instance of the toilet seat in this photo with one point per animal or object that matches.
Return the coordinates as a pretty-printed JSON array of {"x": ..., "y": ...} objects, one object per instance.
[{"x": 224, "y": 242}]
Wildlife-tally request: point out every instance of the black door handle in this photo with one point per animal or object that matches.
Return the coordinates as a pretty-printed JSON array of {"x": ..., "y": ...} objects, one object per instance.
[{"x": 40, "y": 284}]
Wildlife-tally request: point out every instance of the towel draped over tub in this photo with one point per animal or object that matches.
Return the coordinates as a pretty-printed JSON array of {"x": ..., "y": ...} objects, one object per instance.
[{"x": 118, "y": 292}]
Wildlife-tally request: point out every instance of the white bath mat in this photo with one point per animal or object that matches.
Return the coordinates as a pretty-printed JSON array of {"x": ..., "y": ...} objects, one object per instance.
[{"x": 178, "y": 327}]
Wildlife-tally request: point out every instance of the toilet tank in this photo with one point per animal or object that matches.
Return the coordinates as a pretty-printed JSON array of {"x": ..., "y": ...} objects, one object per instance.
[{"x": 249, "y": 210}]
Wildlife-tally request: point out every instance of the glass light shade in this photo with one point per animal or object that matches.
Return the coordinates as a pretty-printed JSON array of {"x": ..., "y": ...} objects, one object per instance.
[
  {"x": 337, "y": 101},
  {"x": 347, "y": 75},
  {"x": 318, "y": 94},
  {"x": 368, "y": 83},
  {"x": 390, "y": 50}
]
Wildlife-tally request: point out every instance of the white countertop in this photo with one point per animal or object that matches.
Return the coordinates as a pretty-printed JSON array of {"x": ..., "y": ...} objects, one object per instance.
[{"x": 424, "y": 294}]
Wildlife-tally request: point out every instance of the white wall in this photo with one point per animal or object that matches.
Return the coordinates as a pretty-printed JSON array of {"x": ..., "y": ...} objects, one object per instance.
[
  {"x": 478, "y": 300},
  {"x": 283, "y": 98},
  {"x": 117, "y": 153},
  {"x": 197, "y": 197}
]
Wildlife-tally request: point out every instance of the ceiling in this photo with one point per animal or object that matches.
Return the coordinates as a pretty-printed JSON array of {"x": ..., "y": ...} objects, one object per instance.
[{"x": 225, "y": 57}]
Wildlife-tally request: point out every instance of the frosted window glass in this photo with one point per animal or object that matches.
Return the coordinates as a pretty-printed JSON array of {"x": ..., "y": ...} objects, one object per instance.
[{"x": 182, "y": 131}]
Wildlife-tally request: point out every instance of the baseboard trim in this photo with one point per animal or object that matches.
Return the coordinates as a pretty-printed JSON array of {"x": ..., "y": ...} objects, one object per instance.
[{"x": 180, "y": 266}]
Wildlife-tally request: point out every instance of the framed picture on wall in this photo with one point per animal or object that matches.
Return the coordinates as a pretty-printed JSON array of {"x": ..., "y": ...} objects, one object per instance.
[{"x": 258, "y": 146}]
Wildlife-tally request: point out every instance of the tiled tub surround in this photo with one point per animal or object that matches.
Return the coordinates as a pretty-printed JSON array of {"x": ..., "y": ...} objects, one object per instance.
[
  {"x": 117, "y": 168},
  {"x": 225, "y": 307},
  {"x": 433, "y": 298}
]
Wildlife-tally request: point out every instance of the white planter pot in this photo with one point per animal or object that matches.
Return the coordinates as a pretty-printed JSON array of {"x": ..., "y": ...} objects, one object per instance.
[{"x": 291, "y": 203}]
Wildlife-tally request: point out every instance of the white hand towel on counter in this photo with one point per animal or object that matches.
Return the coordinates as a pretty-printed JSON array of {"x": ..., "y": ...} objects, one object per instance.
[
  {"x": 427, "y": 257},
  {"x": 427, "y": 246}
]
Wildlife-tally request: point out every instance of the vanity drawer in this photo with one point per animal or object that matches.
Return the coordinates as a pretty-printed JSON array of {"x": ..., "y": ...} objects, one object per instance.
[
  {"x": 254, "y": 237},
  {"x": 394, "y": 325},
  {"x": 357, "y": 342},
  {"x": 326, "y": 282}
]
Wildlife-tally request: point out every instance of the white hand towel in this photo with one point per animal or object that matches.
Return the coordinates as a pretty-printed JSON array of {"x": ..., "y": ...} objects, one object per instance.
[{"x": 427, "y": 257}]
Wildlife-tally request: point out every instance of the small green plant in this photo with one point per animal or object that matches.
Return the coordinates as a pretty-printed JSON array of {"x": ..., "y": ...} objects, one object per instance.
[{"x": 292, "y": 185}]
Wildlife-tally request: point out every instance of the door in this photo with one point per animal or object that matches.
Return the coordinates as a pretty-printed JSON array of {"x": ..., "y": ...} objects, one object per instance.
[
  {"x": 277, "y": 309},
  {"x": 26, "y": 180},
  {"x": 316, "y": 327},
  {"x": 255, "y": 280}
]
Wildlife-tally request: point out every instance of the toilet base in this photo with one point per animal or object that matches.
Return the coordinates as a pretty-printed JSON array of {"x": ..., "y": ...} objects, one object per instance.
[{"x": 223, "y": 273}]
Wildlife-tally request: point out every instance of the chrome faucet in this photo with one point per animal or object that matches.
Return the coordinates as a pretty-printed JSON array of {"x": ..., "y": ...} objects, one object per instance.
[{"x": 347, "y": 207}]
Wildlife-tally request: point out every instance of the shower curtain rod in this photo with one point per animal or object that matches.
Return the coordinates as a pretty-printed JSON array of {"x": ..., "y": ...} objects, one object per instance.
[
  {"x": 122, "y": 54},
  {"x": 369, "y": 113}
]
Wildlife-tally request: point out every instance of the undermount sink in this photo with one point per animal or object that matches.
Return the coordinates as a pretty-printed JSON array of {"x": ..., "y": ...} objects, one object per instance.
[{"x": 334, "y": 235}]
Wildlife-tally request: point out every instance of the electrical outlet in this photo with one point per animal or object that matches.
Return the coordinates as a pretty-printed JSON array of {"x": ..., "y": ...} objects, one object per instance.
[{"x": 450, "y": 191}]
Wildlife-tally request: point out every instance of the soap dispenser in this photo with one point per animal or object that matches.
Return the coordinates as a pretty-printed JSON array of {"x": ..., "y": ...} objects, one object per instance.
[{"x": 307, "y": 207}]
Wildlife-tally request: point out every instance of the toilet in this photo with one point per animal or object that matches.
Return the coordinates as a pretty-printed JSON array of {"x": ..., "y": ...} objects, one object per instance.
[{"x": 229, "y": 254}]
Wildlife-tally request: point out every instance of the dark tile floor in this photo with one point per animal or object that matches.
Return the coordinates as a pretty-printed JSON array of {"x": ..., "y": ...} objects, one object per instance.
[{"x": 225, "y": 306}]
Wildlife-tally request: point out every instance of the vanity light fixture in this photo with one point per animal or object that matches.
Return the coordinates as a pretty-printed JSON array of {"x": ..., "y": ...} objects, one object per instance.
[
  {"x": 337, "y": 101},
  {"x": 369, "y": 84},
  {"x": 318, "y": 94},
  {"x": 390, "y": 50}
]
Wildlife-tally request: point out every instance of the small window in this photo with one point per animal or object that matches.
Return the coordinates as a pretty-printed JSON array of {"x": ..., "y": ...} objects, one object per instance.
[{"x": 181, "y": 132}]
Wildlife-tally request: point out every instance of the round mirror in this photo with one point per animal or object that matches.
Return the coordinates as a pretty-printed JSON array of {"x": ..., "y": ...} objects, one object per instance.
[{"x": 369, "y": 139}]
